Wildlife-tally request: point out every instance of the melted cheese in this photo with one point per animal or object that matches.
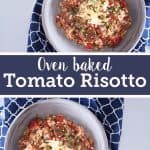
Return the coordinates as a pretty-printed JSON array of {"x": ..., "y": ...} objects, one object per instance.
[
  {"x": 121, "y": 15},
  {"x": 54, "y": 145},
  {"x": 94, "y": 11},
  {"x": 29, "y": 147}
]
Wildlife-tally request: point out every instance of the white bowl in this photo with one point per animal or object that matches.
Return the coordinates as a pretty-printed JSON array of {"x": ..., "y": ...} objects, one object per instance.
[
  {"x": 57, "y": 38},
  {"x": 73, "y": 111}
]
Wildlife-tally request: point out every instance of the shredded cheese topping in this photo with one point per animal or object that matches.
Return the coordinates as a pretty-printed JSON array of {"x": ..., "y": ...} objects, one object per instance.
[
  {"x": 54, "y": 145},
  {"x": 94, "y": 11}
]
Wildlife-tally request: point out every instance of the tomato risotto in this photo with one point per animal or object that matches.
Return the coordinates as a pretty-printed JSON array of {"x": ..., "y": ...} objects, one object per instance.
[
  {"x": 55, "y": 133},
  {"x": 94, "y": 24}
]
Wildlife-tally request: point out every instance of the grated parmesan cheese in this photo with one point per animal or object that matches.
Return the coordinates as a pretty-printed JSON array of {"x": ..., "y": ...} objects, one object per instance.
[
  {"x": 54, "y": 145},
  {"x": 94, "y": 11}
]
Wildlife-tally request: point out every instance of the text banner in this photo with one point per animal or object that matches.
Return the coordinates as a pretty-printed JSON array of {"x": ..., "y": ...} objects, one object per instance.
[{"x": 74, "y": 75}]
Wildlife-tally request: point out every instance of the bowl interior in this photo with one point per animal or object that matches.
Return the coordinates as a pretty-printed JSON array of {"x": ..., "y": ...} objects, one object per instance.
[
  {"x": 73, "y": 111},
  {"x": 61, "y": 43}
]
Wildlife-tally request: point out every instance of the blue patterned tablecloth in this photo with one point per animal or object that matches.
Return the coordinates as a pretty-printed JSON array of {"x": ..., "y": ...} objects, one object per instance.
[{"x": 108, "y": 111}]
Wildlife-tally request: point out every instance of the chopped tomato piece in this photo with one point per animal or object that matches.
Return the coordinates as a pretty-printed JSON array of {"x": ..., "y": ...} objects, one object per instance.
[
  {"x": 89, "y": 46},
  {"x": 60, "y": 118},
  {"x": 123, "y": 3},
  {"x": 34, "y": 124},
  {"x": 116, "y": 40},
  {"x": 114, "y": 17},
  {"x": 110, "y": 2}
]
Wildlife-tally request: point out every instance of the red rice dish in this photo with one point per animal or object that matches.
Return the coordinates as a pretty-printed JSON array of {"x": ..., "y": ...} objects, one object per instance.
[
  {"x": 55, "y": 133},
  {"x": 94, "y": 24}
]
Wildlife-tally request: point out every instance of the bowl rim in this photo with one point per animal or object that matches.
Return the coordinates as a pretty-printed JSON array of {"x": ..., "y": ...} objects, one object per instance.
[
  {"x": 53, "y": 100},
  {"x": 142, "y": 26},
  {"x": 139, "y": 34}
]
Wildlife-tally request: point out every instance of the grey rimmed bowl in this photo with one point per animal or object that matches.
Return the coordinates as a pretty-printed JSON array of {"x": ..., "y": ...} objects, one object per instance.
[
  {"x": 73, "y": 111},
  {"x": 62, "y": 44}
]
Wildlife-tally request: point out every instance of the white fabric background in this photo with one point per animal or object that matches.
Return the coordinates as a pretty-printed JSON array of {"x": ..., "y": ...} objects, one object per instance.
[{"x": 14, "y": 23}]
